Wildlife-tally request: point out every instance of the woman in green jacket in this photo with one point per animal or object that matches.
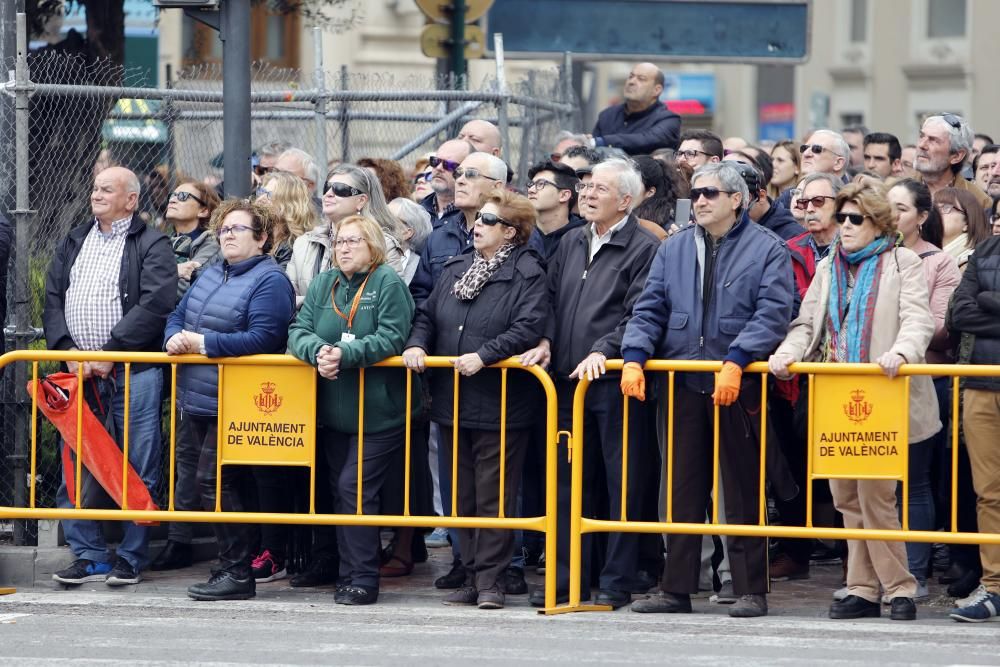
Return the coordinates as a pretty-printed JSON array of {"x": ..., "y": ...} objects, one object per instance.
[{"x": 354, "y": 316}]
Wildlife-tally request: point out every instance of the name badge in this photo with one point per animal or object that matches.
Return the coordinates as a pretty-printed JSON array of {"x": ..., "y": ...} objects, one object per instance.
[{"x": 347, "y": 337}]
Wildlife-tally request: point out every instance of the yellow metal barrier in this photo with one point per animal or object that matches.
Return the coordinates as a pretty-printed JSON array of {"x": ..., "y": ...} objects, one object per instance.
[
  {"x": 580, "y": 524},
  {"x": 545, "y": 524}
]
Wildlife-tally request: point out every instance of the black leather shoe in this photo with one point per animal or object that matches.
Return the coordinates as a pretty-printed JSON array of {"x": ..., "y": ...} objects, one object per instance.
[
  {"x": 224, "y": 586},
  {"x": 643, "y": 582},
  {"x": 320, "y": 572},
  {"x": 952, "y": 574},
  {"x": 355, "y": 595},
  {"x": 854, "y": 607},
  {"x": 616, "y": 599},
  {"x": 964, "y": 585},
  {"x": 514, "y": 583},
  {"x": 175, "y": 555},
  {"x": 903, "y": 609},
  {"x": 455, "y": 577},
  {"x": 537, "y": 597}
]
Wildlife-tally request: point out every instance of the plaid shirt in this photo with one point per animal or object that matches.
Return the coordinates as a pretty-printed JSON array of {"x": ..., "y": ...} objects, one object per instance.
[{"x": 93, "y": 299}]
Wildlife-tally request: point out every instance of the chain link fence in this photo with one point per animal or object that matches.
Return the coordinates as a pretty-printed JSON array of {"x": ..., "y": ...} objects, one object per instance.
[{"x": 83, "y": 117}]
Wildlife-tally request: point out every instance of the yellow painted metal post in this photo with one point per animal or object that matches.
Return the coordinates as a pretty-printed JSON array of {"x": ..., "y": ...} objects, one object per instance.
[
  {"x": 906, "y": 467},
  {"x": 454, "y": 446},
  {"x": 576, "y": 495},
  {"x": 715, "y": 460},
  {"x": 809, "y": 452},
  {"x": 551, "y": 482},
  {"x": 218, "y": 445},
  {"x": 34, "y": 435},
  {"x": 173, "y": 436},
  {"x": 954, "y": 453},
  {"x": 125, "y": 443},
  {"x": 407, "y": 444},
  {"x": 361, "y": 438},
  {"x": 763, "y": 449},
  {"x": 79, "y": 432},
  {"x": 624, "y": 512},
  {"x": 670, "y": 447},
  {"x": 503, "y": 439}
]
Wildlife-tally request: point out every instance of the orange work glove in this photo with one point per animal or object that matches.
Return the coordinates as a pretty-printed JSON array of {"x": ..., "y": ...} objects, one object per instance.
[
  {"x": 633, "y": 381},
  {"x": 727, "y": 384}
]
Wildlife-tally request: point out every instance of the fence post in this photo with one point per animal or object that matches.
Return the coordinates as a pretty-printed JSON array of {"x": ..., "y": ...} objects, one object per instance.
[
  {"x": 529, "y": 131},
  {"x": 345, "y": 128},
  {"x": 171, "y": 147},
  {"x": 502, "y": 89},
  {"x": 319, "y": 78},
  {"x": 567, "y": 91},
  {"x": 23, "y": 219}
]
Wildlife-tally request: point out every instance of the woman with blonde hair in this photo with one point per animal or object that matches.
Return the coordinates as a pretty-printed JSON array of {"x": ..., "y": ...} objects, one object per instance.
[
  {"x": 287, "y": 195},
  {"x": 787, "y": 168},
  {"x": 868, "y": 303}
]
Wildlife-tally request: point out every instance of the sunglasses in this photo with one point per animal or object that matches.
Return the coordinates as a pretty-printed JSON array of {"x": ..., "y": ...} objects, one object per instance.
[
  {"x": 710, "y": 193},
  {"x": 183, "y": 196},
  {"x": 802, "y": 202},
  {"x": 422, "y": 178},
  {"x": 853, "y": 218},
  {"x": 341, "y": 189},
  {"x": 952, "y": 120},
  {"x": 434, "y": 161},
  {"x": 261, "y": 170},
  {"x": 816, "y": 148},
  {"x": 471, "y": 174},
  {"x": 491, "y": 219}
]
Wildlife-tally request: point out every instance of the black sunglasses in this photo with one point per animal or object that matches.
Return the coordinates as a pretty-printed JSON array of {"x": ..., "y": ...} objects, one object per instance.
[
  {"x": 952, "y": 120},
  {"x": 816, "y": 148},
  {"x": 183, "y": 196},
  {"x": 710, "y": 193},
  {"x": 341, "y": 190},
  {"x": 853, "y": 218},
  {"x": 491, "y": 219},
  {"x": 434, "y": 161}
]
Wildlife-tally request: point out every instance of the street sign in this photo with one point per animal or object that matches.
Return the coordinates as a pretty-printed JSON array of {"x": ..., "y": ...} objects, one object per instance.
[
  {"x": 435, "y": 41},
  {"x": 440, "y": 10},
  {"x": 744, "y": 31}
]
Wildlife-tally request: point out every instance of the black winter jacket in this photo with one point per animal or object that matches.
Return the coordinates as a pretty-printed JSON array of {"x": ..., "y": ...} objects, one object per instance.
[
  {"x": 593, "y": 300},
  {"x": 781, "y": 221},
  {"x": 638, "y": 133},
  {"x": 975, "y": 309},
  {"x": 147, "y": 288},
  {"x": 507, "y": 318}
]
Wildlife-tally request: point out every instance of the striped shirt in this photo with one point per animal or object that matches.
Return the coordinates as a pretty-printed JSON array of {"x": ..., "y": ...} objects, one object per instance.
[{"x": 93, "y": 299}]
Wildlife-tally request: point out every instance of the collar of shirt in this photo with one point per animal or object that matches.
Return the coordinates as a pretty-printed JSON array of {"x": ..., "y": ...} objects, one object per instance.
[
  {"x": 606, "y": 236},
  {"x": 817, "y": 253},
  {"x": 118, "y": 227}
]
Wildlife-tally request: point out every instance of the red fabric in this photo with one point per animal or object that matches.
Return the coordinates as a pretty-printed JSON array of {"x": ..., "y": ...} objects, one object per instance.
[
  {"x": 58, "y": 401},
  {"x": 803, "y": 262}
]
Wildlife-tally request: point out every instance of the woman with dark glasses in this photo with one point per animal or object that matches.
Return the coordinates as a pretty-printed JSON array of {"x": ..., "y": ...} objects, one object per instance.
[
  {"x": 869, "y": 303},
  {"x": 189, "y": 208},
  {"x": 486, "y": 306}
]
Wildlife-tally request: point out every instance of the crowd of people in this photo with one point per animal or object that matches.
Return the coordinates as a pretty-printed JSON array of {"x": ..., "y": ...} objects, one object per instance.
[{"x": 832, "y": 250}]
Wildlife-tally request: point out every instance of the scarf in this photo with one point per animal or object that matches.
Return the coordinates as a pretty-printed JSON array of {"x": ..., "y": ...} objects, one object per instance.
[
  {"x": 856, "y": 322},
  {"x": 470, "y": 283},
  {"x": 958, "y": 248}
]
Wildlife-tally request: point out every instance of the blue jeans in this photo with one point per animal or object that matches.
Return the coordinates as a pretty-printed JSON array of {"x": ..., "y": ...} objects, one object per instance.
[
  {"x": 921, "y": 505},
  {"x": 85, "y": 538}
]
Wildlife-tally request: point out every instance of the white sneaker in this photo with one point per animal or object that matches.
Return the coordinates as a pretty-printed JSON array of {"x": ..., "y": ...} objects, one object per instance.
[
  {"x": 840, "y": 594},
  {"x": 973, "y": 597},
  {"x": 437, "y": 539},
  {"x": 921, "y": 595}
]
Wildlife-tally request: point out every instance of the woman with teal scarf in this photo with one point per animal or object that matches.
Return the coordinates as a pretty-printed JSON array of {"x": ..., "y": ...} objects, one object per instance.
[{"x": 869, "y": 303}]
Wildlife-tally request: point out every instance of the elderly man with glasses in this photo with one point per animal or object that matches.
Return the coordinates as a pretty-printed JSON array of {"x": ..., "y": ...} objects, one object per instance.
[
  {"x": 942, "y": 150},
  {"x": 442, "y": 165}
]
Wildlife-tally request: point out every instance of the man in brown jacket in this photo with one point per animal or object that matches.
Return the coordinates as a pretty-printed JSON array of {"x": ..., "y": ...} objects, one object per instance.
[{"x": 942, "y": 150}]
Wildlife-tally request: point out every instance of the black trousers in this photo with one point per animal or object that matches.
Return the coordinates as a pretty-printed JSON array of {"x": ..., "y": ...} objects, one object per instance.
[
  {"x": 790, "y": 424},
  {"x": 359, "y": 545},
  {"x": 187, "y": 495},
  {"x": 237, "y": 491},
  {"x": 486, "y": 552},
  {"x": 273, "y": 495},
  {"x": 603, "y": 421},
  {"x": 739, "y": 456}
]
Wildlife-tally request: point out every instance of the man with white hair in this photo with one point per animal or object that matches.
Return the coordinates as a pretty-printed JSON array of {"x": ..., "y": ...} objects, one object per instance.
[
  {"x": 942, "y": 151},
  {"x": 824, "y": 152},
  {"x": 110, "y": 286},
  {"x": 594, "y": 278},
  {"x": 296, "y": 161},
  {"x": 719, "y": 289}
]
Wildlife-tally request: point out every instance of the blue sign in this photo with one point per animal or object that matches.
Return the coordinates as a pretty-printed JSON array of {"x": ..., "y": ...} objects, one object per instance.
[{"x": 688, "y": 30}]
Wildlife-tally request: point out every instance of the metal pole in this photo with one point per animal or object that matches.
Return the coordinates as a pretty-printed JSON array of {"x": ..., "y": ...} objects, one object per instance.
[
  {"x": 529, "y": 132},
  {"x": 567, "y": 90},
  {"x": 168, "y": 115},
  {"x": 458, "y": 64},
  {"x": 429, "y": 133},
  {"x": 23, "y": 219},
  {"x": 345, "y": 127},
  {"x": 235, "y": 35},
  {"x": 319, "y": 77},
  {"x": 502, "y": 90}
]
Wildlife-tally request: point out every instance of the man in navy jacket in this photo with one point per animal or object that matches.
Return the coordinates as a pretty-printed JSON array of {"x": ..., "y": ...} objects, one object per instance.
[
  {"x": 642, "y": 123},
  {"x": 719, "y": 289}
]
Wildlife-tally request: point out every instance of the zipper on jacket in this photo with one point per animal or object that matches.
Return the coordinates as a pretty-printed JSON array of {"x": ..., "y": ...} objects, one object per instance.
[{"x": 707, "y": 299}]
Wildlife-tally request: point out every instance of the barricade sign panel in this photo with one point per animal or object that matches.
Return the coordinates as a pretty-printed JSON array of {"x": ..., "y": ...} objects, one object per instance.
[
  {"x": 859, "y": 426},
  {"x": 267, "y": 415}
]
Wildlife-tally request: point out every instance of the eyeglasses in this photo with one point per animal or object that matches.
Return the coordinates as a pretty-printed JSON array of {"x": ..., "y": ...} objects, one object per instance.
[
  {"x": 853, "y": 218},
  {"x": 539, "y": 184},
  {"x": 434, "y": 161},
  {"x": 711, "y": 193},
  {"x": 691, "y": 154},
  {"x": 491, "y": 219},
  {"x": 233, "y": 229},
  {"x": 341, "y": 189},
  {"x": 471, "y": 174},
  {"x": 261, "y": 170},
  {"x": 422, "y": 178},
  {"x": 348, "y": 241},
  {"x": 948, "y": 208},
  {"x": 819, "y": 200},
  {"x": 584, "y": 186},
  {"x": 263, "y": 192},
  {"x": 815, "y": 148},
  {"x": 952, "y": 120},
  {"x": 182, "y": 196}
]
